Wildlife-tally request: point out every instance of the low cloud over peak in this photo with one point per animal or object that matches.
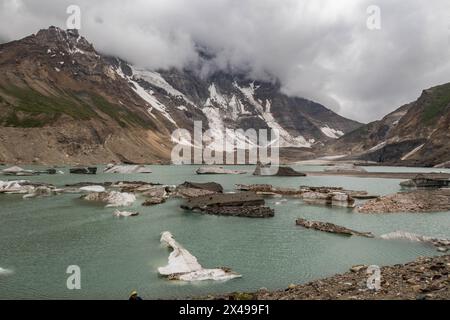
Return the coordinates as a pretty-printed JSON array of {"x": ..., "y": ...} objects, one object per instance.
[{"x": 318, "y": 49}]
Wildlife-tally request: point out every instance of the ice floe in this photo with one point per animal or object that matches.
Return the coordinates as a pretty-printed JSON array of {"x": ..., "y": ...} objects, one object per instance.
[
  {"x": 126, "y": 169},
  {"x": 93, "y": 189},
  {"x": 16, "y": 187},
  {"x": 112, "y": 198},
  {"x": 5, "y": 272},
  {"x": 185, "y": 267},
  {"x": 125, "y": 214}
]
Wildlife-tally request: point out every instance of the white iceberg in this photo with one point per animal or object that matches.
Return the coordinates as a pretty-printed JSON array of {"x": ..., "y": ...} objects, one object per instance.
[
  {"x": 17, "y": 171},
  {"x": 5, "y": 272},
  {"x": 185, "y": 267},
  {"x": 40, "y": 192},
  {"x": 93, "y": 189},
  {"x": 112, "y": 198},
  {"x": 126, "y": 169},
  {"x": 124, "y": 214},
  {"x": 16, "y": 187}
]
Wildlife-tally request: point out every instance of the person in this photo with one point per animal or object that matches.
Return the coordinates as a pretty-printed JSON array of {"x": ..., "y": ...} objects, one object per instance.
[{"x": 134, "y": 296}]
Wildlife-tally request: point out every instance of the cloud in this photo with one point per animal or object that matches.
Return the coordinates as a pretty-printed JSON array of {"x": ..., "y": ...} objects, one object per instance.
[{"x": 318, "y": 49}]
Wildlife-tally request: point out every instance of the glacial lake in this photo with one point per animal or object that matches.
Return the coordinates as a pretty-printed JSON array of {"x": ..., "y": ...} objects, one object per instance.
[{"x": 40, "y": 238}]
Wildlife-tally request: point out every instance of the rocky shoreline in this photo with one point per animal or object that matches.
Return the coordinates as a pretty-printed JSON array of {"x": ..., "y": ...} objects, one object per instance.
[
  {"x": 423, "y": 279},
  {"x": 414, "y": 202}
]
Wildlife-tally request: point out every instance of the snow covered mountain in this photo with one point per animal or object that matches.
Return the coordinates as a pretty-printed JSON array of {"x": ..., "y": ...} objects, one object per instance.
[
  {"x": 232, "y": 101},
  {"x": 62, "y": 101}
]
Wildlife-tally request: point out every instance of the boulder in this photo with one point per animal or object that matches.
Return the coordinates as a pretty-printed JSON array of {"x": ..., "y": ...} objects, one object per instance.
[
  {"x": 155, "y": 195},
  {"x": 210, "y": 186},
  {"x": 224, "y": 200},
  {"x": 267, "y": 189},
  {"x": 40, "y": 192},
  {"x": 192, "y": 192},
  {"x": 93, "y": 189},
  {"x": 244, "y": 204},
  {"x": 340, "y": 199},
  {"x": 83, "y": 170},
  {"x": 245, "y": 211},
  {"x": 331, "y": 228}
]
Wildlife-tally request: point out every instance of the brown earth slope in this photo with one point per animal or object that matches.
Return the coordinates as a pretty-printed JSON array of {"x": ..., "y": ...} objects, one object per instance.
[{"x": 61, "y": 102}]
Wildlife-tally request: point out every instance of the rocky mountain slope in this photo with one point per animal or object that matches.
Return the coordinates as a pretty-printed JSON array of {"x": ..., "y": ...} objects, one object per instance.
[
  {"x": 63, "y": 102},
  {"x": 417, "y": 134}
]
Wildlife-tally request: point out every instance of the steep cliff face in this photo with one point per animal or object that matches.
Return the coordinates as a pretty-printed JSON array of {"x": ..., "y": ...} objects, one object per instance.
[
  {"x": 63, "y": 102},
  {"x": 415, "y": 134}
]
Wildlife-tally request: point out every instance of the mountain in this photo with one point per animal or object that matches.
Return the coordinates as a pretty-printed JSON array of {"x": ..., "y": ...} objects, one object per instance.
[
  {"x": 63, "y": 102},
  {"x": 417, "y": 134}
]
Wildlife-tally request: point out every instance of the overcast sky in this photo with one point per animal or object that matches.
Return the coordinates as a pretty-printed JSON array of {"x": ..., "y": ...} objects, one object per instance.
[{"x": 319, "y": 49}]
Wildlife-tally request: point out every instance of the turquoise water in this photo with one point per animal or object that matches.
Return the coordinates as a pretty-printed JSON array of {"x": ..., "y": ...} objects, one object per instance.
[{"x": 40, "y": 238}]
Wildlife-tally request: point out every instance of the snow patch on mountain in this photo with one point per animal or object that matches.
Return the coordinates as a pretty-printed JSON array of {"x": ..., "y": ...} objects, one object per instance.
[
  {"x": 216, "y": 97},
  {"x": 148, "y": 97},
  {"x": 378, "y": 146},
  {"x": 286, "y": 139},
  {"x": 331, "y": 133},
  {"x": 414, "y": 151},
  {"x": 156, "y": 80}
]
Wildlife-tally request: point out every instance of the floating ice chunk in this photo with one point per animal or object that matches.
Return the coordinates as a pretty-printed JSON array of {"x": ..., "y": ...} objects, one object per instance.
[
  {"x": 93, "y": 189},
  {"x": 124, "y": 214},
  {"x": 5, "y": 272},
  {"x": 112, "y": 198},
  {"x": 14, "y": 187},
  {"x": 185, "y": 267},
  {"x": 126, "y": 169}
]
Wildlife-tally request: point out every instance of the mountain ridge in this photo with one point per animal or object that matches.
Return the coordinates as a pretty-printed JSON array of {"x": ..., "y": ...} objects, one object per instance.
[
  {"x": 416, "y": 134},
  {"x": 63, "y": 102}
]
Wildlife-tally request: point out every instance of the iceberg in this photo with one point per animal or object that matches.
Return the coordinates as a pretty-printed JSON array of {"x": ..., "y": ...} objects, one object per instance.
[
  {"x": 403, "y": 235},
  {"x": 5, "y": 272},
  {"x": 185, "y": 267},
  {"x": 112, "y": 198},
  {"x": 16, "y": 187},
  {"x": 93, "y": 189},
  {"x": 126, "y": 169},
  {"x": 125, "y": 214},
  {"x": 17, "y": 171}
]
